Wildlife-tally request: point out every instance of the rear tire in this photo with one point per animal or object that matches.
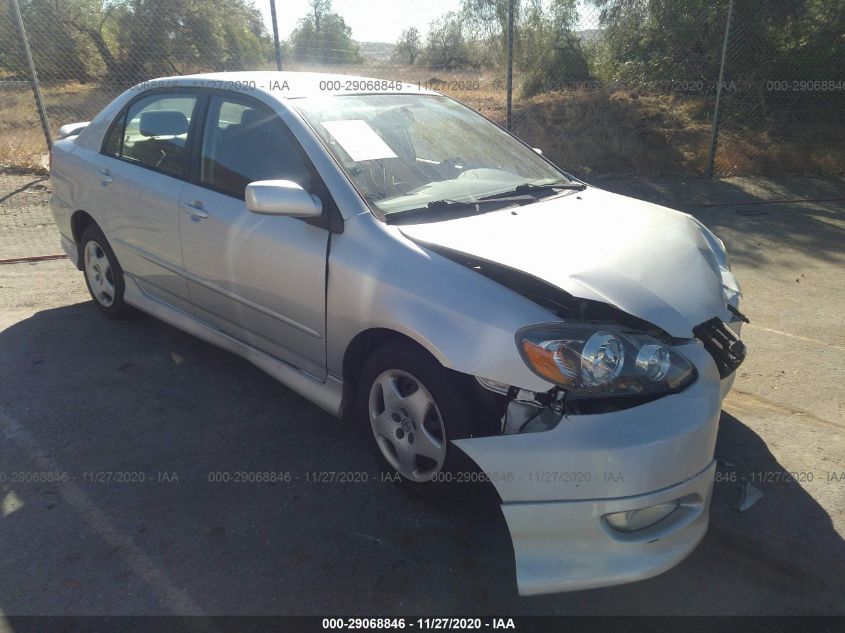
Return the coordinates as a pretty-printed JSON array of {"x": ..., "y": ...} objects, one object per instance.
[
  {"x": 103, "y": 275},
  {"x": 410, "y": 408}
]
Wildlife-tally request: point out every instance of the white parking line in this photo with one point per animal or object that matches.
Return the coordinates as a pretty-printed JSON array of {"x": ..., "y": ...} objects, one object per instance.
[{"x": 806, "y": 339}]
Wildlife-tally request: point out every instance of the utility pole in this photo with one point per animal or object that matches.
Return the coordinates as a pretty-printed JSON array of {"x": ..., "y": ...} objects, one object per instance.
[
  {"x": 275, "y": 34},
  {"x": 510, "y": 65},
  {"x": 33, "y": 76},
  {"x": 714, "y": 135}
]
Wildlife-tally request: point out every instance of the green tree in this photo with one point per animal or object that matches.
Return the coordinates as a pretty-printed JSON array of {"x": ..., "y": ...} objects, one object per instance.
[
  {"x": 551, "y": 53},
  {"x": 323, "y": 37},
  {"x": 56, "y": 50},
  {"x": 648, "y": 40},
  {"x": 127, "y": 41},
  {"x": 133, "y": 40},
  {"x": 446, "y": 45},
  {"x": 156, "y": 37},
  {"x": 486, "y": 26},
  {"x": 681, "y": 40},
  {"x": 409, "y": 46}
]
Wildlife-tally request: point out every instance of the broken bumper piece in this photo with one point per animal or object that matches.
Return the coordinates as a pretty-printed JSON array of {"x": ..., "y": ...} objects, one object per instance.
[
  {"x": 568, "y": 545},
  {"x": 559, "y": 486}
]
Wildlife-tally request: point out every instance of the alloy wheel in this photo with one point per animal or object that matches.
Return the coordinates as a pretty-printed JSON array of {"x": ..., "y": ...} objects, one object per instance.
[
  {"x": 407, "y": 425},
  {"x": 99, "y": 274}
]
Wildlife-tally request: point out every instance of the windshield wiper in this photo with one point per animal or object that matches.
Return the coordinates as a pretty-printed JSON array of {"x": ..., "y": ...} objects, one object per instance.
[
  {"x": 530, "y": 188},
  {"x": 441, "y": 209}
]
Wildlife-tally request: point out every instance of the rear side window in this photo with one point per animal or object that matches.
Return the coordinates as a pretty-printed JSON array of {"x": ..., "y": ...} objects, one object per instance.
[
  {"x": 111, "y": 146},
  {"x": 156, "y": 132},
  {"x": 247, "y": 141}
]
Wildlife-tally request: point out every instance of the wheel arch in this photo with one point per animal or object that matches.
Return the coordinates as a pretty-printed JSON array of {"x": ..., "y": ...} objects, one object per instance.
[
  {"x": 79, "y": 222},
  {"x": 359, "y": 349}
]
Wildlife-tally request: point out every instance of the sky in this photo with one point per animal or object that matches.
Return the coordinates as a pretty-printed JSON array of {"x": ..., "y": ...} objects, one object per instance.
[
  {"x": 382, "y": 20},
  {"x": 370, "y": 20}
]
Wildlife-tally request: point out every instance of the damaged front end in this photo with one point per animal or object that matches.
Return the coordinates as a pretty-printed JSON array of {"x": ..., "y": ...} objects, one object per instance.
[
  {"x": 602, "y": 491},
  {"x": 518, "y": 410},
  {"x": 590, "y": 336},
  {"x": 606, "y": 477}
]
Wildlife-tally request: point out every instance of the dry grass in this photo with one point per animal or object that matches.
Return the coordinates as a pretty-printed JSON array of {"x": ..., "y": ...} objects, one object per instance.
[
  {"x": 821, "y": 152},
  {"x": 622, "y": 132},
  {"x": 21, "y": 139},
  {"x": 22, "y": 145},
  {"x": 619, "y": 132}
]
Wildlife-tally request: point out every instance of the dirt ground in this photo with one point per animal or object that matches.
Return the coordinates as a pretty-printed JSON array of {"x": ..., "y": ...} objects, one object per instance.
[{"x": 81, "y": 395}]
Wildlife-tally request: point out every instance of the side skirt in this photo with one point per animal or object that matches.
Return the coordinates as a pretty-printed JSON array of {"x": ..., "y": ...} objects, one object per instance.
[{"x": 326, "y": 395}]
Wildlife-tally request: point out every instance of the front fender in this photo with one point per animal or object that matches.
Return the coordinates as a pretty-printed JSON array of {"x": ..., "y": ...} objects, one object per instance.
[{"x": 380, "y": 279}]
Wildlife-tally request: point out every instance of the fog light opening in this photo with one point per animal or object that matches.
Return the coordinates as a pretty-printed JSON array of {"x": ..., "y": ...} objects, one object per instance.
[{"x": 641, "y": 518}]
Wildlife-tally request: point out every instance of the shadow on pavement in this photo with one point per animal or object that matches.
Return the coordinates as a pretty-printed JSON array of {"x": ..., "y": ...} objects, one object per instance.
[
  {"x": 138, "y": 423},
  {"x": 751, "y": 216},
  {"x": 785, "y": 534}
]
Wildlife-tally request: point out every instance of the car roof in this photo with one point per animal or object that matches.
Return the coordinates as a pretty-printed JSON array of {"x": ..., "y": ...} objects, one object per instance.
[{"x": 293, "y": 84}]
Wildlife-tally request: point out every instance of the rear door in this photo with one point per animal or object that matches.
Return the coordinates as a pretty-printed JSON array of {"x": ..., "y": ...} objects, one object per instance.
[
  {"x": 259, "y": 278},
  {"x": 141, "y": 171}
]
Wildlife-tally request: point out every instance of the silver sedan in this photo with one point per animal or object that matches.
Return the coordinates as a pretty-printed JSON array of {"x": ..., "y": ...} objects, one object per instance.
[{"x": 410, "y": 266}]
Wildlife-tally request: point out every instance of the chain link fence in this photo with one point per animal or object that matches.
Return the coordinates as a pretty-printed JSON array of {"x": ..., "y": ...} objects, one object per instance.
[
  {"x": 783, "y": 98},
  {"x": 603, "y": 87},
  {"x": 738, "y": 87}
]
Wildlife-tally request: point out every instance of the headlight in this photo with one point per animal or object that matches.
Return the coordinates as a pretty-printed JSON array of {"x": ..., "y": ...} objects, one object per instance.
[{"x": 590, "y": 360}]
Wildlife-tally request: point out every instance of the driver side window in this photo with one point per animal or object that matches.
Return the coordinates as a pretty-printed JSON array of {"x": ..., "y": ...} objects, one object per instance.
[{"x": 245, "y": 141}]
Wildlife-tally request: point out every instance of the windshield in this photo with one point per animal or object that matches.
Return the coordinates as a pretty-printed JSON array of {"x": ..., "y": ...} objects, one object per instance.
[{"x": 405, "y": 152}]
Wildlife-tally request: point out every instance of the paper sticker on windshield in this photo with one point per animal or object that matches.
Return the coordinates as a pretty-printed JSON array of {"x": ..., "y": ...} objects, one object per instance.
[{"x": 359, "y": 140}]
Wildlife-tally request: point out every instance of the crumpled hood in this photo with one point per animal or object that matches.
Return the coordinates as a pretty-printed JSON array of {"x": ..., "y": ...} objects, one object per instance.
[{"x": 652, "y": 262}]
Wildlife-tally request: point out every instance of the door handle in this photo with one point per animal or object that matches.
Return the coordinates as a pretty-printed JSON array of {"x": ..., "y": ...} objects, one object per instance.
[
  {"x": 195, "y": 210},
  {"x": 105, "y": 176}
]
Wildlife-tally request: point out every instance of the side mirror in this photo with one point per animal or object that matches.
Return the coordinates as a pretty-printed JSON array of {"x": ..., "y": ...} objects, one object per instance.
[
  {"x": 281, "y": 197},
  {"x": 538, "y": 150}
]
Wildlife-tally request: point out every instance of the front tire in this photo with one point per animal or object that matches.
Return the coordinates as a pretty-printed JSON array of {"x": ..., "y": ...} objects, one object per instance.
[
  {"x": 411, "y": 407},
  {"x": 103, "y": 275}
]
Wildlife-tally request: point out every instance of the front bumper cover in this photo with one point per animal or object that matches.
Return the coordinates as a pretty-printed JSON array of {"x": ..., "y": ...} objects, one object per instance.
[
  {"x": 556, "y": 485},
  {"x": 567, "y": 545}
]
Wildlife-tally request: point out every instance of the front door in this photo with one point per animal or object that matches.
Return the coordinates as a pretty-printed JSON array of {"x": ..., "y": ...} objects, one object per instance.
[{"x": 259, "y": 278}]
